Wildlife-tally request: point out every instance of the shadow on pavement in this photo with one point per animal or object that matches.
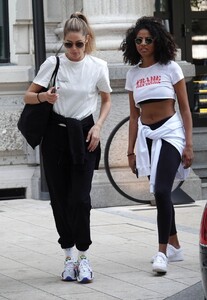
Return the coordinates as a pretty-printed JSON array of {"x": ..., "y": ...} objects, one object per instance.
[{"x": 194, "y": 292}]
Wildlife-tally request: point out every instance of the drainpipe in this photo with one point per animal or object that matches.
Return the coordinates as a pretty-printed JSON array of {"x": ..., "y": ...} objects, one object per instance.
[{"x": 40, "y": 56}]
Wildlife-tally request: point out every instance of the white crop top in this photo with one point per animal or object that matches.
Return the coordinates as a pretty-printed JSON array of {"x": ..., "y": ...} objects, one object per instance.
[
  {"x": 77, "y": 83},
  {"x": 154, "y": 82}
]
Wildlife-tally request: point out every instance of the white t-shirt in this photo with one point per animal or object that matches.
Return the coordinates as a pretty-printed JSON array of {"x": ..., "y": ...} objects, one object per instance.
[
  {"x": 154, "y": 82},
  {"x": 77, "y": 83}
]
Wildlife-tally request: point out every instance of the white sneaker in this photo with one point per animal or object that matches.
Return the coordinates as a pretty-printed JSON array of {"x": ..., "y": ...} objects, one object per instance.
[
  {"x": 160, "y": 263},
  {"x": 173, "y": 254},
  {"x": 69, "y": 272},
  {"x": 84, "y": 271}
]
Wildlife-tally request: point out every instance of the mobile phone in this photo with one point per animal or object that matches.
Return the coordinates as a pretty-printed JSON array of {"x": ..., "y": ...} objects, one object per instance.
[{"x": 136, "y": 172}]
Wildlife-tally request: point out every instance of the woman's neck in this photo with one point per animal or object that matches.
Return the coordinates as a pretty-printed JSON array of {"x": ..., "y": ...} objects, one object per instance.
[{"x": 147, "y": 63}]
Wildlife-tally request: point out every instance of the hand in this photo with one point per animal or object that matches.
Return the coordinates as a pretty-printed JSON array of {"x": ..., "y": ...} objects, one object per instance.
[
  {"x": 93, "y": 137},
  {"x": 187, "y": 157},
  {"x": 51, "y": 95},
  {"x": 132, "y": 163}
]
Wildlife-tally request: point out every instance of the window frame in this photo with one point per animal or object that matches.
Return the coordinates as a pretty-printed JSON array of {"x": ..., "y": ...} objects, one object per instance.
[{"x": 5, "y": 58}]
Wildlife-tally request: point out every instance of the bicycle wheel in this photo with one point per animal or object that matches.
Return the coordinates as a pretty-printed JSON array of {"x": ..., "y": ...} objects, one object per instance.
[
  {"x": 114, "y": 154},
  {"x": 121, "y": 178}
]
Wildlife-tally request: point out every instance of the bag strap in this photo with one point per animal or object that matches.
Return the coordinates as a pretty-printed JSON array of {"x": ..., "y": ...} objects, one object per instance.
[{"x": 54, "y": 74}]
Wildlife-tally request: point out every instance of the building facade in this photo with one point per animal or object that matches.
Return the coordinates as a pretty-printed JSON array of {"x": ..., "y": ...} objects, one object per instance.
[{"x": 20, "y": 167}]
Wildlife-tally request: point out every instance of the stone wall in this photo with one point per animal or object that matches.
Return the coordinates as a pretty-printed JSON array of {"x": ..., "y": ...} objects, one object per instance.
[{"x": 19, "y": 163}]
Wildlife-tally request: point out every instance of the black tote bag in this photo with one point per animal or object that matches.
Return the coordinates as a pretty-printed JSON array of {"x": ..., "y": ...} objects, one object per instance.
[{"x": 34, "y": 118}]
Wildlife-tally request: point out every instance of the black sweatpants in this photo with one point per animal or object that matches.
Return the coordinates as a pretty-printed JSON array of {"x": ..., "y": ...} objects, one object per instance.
[
  {"x": 168, "y": 163},
  {"x": 69, "y": 187}
]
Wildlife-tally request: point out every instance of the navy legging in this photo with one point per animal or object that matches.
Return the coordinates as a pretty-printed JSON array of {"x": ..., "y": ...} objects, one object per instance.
[{"x": 168, "y": 163}]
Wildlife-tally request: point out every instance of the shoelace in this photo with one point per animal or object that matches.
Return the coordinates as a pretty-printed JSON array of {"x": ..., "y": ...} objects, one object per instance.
[
  {"x": 160, "y": 258},
  {"x": 84, "y": 265},
  {"x": 69, "y": 265}
]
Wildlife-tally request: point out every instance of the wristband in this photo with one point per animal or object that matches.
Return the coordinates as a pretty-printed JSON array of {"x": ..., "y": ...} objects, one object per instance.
[
  {"x": 38, "y": 98},
  {"x": 130, "y": 154}
]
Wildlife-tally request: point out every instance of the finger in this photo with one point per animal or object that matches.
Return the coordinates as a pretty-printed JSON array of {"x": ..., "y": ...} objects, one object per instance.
[
  {"x": 187, "y": 163},
  {"x": 93, "y": 145},
  {"x": 88, "y": 137}
]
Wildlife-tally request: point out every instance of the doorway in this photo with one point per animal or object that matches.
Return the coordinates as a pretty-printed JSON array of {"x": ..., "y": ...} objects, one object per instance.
[
  {"x": 191, "y": 31},
  {"x": 188, "y": 23}
]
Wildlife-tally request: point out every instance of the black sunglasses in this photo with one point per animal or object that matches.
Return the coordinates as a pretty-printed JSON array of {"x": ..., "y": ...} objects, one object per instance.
[
  {"x": 77, "y": 44},
  {"x": 147, "y": 40}
]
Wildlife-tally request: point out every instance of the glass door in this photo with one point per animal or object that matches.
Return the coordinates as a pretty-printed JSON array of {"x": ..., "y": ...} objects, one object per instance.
[
  {"x": 188, "y": 23},
  {"x": 199, "y": 34},
  {"x": 199, "y": 59}
]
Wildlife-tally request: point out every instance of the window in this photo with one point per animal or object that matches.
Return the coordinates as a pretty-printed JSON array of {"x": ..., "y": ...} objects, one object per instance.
[
  {"x": 198, "y": 5},
  {"x": 4, "y": 32},
  {"x": 161, "y": 6},
  {"x": 163, "y": 11}
]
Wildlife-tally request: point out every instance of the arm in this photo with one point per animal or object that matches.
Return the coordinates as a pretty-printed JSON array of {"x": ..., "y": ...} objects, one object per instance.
[
  {"x": 94, "y": 132},
  {"x": 133, "y": 128},
  {"x": 34, "y": 95},
  {"x": 180, "y": 89}
]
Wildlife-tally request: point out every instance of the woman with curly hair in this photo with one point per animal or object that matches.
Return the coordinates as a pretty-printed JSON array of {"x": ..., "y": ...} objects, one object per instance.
[{"x": 160, "y": 141}]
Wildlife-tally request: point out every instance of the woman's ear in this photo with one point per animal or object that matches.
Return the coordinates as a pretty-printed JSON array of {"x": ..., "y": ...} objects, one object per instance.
[{"x": 87, "y": 38}]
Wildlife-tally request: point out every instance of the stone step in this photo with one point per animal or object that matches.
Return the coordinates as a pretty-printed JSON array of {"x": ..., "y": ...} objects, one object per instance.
[
  {"x": 16, "y": 177},
  {"x": 200, "y": 157},
  {"x": 200, "y": 169},
  {"x": 104, "y": 194},
  {"x": 199, "y": 138},
  {"x": 204, "y": 190},
  {"x": 200, "y": 151}
]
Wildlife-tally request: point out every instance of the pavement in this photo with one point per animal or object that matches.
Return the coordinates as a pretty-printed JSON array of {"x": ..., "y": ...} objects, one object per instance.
[{"x": 124, "y": 240}]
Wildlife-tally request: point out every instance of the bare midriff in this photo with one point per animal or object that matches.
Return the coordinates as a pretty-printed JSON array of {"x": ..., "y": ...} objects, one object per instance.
[{"x": 153, "y": 112}]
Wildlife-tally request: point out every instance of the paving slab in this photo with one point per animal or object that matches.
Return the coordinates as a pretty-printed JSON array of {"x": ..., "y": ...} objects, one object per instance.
[{"x": 124, "y": 240}]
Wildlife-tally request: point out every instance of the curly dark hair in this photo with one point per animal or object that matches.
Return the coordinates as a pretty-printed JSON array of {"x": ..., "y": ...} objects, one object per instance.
[{"x": 165, "y": 47}]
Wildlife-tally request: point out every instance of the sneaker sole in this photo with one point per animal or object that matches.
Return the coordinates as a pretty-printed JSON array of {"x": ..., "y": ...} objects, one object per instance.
[
  {"x": 85, "y": 280},
  {"x": 68, "y": 279},
  {"x": 170, "y": 260},
  {"x": 159, "y": 270},
  {"x": 174, "y": 260}
]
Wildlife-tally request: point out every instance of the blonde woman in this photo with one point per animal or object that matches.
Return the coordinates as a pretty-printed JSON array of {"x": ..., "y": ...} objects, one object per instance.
[{"x": 71, "y": 145}]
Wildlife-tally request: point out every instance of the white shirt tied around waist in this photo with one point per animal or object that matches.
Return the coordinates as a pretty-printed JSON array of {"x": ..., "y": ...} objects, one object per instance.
[{"x": 172, "y": 131}]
